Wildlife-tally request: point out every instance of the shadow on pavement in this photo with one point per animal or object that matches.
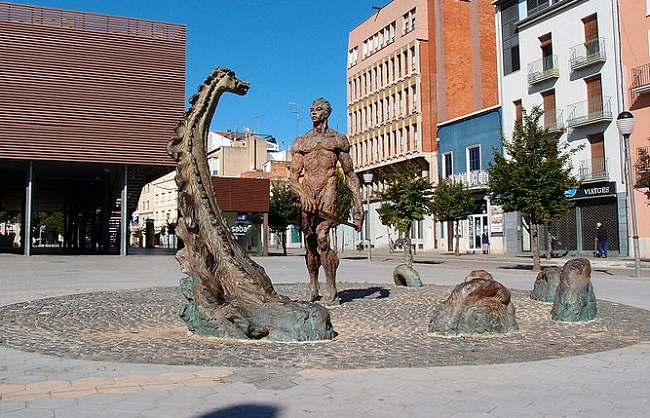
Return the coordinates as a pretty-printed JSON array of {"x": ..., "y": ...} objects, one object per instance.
[
  {"x": 244, "y": 410},
  {"x": 350, "y": 295}
]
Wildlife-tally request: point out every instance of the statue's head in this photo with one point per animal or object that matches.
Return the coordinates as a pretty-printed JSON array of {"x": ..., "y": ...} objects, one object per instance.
[{"x": 320, "y": 109}]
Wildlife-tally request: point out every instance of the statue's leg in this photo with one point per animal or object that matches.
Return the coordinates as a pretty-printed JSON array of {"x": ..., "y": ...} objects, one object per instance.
[
  {"x": 313, "y": 261},
  {"x": 329, "y": 259}
]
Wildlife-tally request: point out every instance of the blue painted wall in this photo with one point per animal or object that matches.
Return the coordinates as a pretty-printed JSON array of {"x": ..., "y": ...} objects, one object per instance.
[{"x": 456, "y": 137}]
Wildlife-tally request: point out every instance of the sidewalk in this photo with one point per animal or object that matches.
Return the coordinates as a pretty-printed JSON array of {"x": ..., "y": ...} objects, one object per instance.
[{"x": 603, "y": 384}]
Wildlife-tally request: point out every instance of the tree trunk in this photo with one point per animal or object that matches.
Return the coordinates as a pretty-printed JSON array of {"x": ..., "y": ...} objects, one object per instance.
[
  {"x": 549, "y": 241},
  {"x": 457, "y": 238},
  {"x": 534, "y": 234},
  {"x": 283, "y": 238},
  {"x": 408, "y": 249}
]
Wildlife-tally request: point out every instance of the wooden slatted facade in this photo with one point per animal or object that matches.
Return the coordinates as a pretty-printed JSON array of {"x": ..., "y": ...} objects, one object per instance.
[
  {"x": 236, "y": 194},
  {"x": 88, "y": 103},
  {"x": 87, "y": 87}
]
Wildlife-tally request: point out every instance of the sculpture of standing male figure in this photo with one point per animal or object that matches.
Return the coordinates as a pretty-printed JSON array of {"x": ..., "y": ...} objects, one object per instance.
[{"x": 314, "y": 160}]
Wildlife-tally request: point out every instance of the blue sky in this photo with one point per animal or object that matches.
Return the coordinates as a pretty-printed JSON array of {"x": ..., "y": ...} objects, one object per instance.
[{"x": 290, "y": 51}]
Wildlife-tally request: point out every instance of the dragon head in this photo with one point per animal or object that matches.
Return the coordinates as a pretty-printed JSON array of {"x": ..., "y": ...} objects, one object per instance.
[{"x": 229, "y": 82}]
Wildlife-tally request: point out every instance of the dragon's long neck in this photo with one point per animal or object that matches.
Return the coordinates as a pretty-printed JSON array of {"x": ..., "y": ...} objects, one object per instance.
[{"x": 211, "y": 239}]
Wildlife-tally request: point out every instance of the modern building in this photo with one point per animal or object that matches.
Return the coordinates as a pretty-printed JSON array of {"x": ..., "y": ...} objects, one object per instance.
[
  {"x": 635, "y": 62},
  {"x": 88, "y": 104},
  {"x": 564, "y": 56},
  {"x": 417, "y": 69}
]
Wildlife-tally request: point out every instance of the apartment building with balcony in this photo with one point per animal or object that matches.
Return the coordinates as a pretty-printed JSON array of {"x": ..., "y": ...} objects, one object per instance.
[
  {"x": 563, "y": 55},
  {"x": 413, "y": 66},
  {"x": 635, "y": 62}
]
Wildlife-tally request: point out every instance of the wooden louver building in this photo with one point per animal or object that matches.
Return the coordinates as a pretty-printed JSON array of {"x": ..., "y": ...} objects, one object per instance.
[{"x": 87, "y": 105}]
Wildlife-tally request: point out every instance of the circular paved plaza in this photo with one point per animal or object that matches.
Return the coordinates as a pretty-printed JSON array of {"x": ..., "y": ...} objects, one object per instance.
[{"x": 378, "y": 326}]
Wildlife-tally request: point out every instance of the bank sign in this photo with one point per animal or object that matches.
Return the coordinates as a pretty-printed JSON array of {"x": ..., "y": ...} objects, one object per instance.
[{"x": 591, "y": 190}]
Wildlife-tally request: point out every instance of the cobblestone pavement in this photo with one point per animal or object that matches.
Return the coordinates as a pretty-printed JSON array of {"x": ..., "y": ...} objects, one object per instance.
[
  {"x": 378, "y": 326},
  {"x": 59, "y": 312}
]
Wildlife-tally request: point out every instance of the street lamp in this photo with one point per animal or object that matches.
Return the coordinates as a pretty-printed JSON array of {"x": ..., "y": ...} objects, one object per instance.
[
  {"x": 625, "y": 125},
  {"x": 367, "y": 180}
]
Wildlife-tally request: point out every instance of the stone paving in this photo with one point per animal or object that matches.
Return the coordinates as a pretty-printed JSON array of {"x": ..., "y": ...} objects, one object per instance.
[
  {"x": 58, "y": 311},
  {"x": 378, "y": 326}
]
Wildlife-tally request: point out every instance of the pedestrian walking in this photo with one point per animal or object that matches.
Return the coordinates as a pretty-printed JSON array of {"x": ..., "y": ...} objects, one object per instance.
[
  {"x": 485, "y": 241},
  {"x": 601, "y": 240}
]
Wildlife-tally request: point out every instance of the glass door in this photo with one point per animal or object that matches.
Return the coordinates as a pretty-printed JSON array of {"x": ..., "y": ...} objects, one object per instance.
[{"x": 477, "y": 223}]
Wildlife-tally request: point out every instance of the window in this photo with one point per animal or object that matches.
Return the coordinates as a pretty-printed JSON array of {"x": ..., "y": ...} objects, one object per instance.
[
  {"x": 550, "y": 117},
  {"x": 352, "y": 56},
  {"x": 546, "y": 45},
  {"x": 536, "y": 6},
  {"x": 413, "y": 60},
  {"x": 474, "y": 158},
  {"x": 592, "y": 44},
  {"x": 594, "y": 95},
  {"x": 447, "y": 164},
  {"x": 597, "y": 150},
  {"x": 518, "y": 110},
  {"x": 409, "y": 21},
  {"x": 510, "y": 36}
]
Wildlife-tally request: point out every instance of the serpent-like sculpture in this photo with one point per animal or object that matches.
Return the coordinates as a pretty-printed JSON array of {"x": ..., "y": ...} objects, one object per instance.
[{"x": 228, "y": 294}]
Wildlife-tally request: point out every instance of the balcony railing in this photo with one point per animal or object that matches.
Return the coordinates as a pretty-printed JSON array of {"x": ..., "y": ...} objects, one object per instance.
[
  {"x": 543, "y": 69},
  {"x": 554, "y": 120},
  {"x": 641, "y": 79},
  {"x": 589, "y": 112},
  {"x": 594, "y": 170},
  {"x": 472, "y": 179},
  {"x": 588, "y": 53}
]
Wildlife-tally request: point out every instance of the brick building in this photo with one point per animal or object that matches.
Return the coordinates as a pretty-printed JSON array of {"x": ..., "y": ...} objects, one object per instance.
[{"x": 413, "y": 68}]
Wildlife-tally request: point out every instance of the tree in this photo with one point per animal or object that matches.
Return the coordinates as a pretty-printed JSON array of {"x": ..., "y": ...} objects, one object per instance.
[
  {"x": 407, "y": 198},
  {"x": 343, "y": 202},
  {"x": 532, "y": 175},
  {"x": 283, "y": 212},
  {"x": 452, "y": 202}
]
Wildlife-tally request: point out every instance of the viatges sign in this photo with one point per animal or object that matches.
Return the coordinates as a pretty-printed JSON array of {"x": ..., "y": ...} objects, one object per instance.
[{"x": 591, "y": 190}]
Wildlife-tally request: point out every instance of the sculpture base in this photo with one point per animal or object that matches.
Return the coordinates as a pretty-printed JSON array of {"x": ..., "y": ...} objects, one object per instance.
[{"x": 277, "y": 320}]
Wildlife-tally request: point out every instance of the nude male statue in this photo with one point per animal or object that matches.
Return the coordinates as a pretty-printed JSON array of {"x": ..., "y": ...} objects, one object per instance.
[{"x": 314, "y": 160}]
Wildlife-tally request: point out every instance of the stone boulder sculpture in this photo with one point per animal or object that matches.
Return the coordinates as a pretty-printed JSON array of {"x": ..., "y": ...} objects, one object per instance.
[
  {"x": 404, "y": 274},
  {"x": 546, "y": 284},
  {"x": 575, "y": 300},
  {"x": 478, "y": 274},
  {"x": 476, "y": 306}
]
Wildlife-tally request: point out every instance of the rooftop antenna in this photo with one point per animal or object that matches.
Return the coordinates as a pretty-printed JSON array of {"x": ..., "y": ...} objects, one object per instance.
[{"x": 378, "y": 10}]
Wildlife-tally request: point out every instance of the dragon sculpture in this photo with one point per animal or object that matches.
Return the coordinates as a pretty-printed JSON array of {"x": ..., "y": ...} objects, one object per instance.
[{"x": 228, "y": 294}]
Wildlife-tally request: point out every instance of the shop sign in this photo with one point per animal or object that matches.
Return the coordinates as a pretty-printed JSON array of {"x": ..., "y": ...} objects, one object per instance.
[
  {"x": 592, "y": 190},
  {"x": 240, "y": 230}
]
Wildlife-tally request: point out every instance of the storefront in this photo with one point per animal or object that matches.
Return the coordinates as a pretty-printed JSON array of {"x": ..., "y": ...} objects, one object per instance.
[
  {"x": 244, "y": 203},
  {"x": 593, "y": 202}
]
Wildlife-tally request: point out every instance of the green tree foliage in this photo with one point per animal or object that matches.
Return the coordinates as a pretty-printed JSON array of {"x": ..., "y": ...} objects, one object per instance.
[
  {"x": 343, "y": 196},
  {"x": 407, "y": 197},
  {"x": 283, "y": 212},
  {"x": 52, "y": 221},
  {"x": 452, "y": 202},
  {"x": 532, "y": 175}
]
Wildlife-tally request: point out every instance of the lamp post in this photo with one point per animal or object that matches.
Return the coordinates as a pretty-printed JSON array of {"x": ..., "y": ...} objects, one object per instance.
[
  {"x": 625, "y": 125},
  {"x": 367, "y": 180}
]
